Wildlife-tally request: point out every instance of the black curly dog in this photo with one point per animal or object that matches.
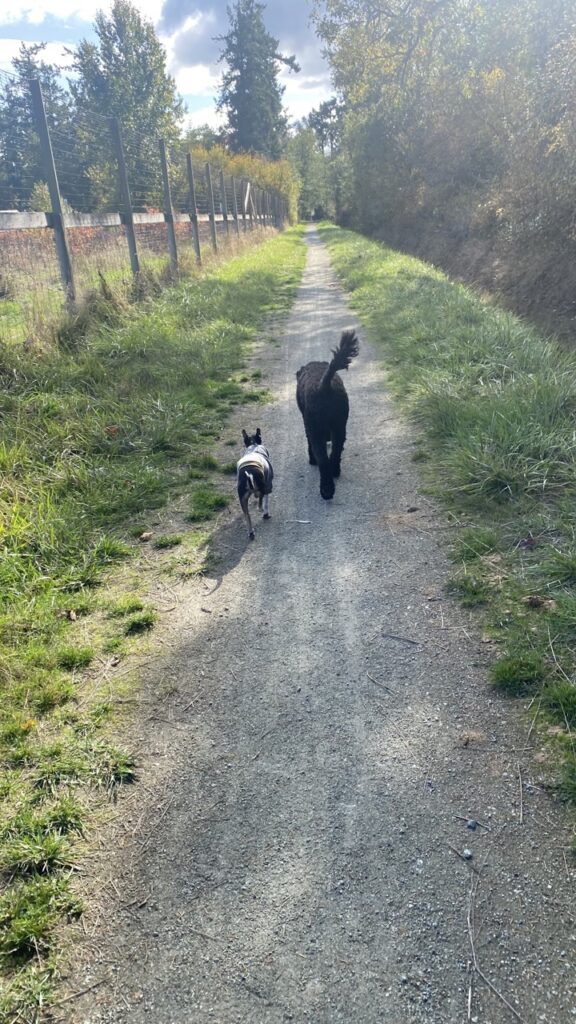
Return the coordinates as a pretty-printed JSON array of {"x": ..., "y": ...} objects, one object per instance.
[{"x": 323, "y": 402}]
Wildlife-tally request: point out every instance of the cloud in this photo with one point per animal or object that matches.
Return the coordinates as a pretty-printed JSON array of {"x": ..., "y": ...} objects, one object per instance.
[
  {"x": 52, "y": 54},
  {"x": 197, "y": 24},
  {"x": 35, "y": 12},
  {"x": 189, "y": 29}
]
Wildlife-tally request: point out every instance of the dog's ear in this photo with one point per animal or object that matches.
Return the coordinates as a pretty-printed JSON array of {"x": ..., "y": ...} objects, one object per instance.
[
  {"x": 258, "y": 436},
  {"x": 246, "y": 438}
]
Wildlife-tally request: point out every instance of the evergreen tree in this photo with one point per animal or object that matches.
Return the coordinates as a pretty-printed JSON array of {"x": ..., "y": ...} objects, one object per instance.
[
  {"x": 21, "y": 167},
  {"x": 250, "y": 92}
]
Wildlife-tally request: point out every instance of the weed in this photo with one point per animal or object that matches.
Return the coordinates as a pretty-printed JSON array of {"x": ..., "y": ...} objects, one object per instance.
[
  {"x": 470, "y": 590},
  {"x": 168, "y": 541},
  {"x": 518, "y": 674},
  {"x": 205, "y": 503},
  {"x": 126, "y": 606},
  {"x": 559, "y": 700},
  {"x": 474, "y": 542},
  {"x": 140, "y": 623},
  {"x": 29, "y": 912},
  {"x": 567, "y": 786},
  {"x": 72, "y": 658},
  {"x": 228, "y": 468}
]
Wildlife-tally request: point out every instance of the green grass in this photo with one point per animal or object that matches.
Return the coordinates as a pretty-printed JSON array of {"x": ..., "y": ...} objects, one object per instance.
[
  {"x": 168, "y": 541},
  {"x": 142, "y": 622},
  {"x": 96, "y": 432},
  {"x": 496, "y": 406},
  {"x": 205, "y": 503}
]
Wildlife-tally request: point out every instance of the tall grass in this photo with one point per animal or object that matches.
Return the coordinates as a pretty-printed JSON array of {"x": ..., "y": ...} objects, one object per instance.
[
  {"x": 95, "y": 433},
  {"x": 496, "y": 404}
]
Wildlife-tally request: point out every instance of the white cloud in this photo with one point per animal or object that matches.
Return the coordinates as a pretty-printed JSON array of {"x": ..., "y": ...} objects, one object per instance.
[
  {"x": 53, "y": 54},
  {"x": 34, "y": 12},
  {"x": 204, "y": 115},
  {"x": 199, "y": 80}
]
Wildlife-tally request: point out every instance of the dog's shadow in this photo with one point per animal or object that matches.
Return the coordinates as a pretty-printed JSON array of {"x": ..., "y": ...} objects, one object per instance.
[{"x": 227, "y": 545}]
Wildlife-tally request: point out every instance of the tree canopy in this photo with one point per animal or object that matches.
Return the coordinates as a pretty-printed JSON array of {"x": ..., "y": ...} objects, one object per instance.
[{"x": 458, "y": 123}]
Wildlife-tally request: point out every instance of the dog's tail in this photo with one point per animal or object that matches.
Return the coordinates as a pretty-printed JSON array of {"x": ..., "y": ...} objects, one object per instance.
[{"x": 342, "y": 357}]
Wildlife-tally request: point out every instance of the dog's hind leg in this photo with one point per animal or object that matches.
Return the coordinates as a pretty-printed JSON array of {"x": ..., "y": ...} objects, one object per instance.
[
  {"x": 323, "y": 463},
  {"x": 311, "y": 456},
  {"x": 265, "y": 506},
  {"x": 338, "y": 440},
  {"x": 244, "y": 506}
]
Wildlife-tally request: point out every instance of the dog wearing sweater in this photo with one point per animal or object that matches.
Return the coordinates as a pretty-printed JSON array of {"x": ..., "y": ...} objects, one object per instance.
[
  {"x": 323, "y": 402},
  {"x": 254, "y": 476}
]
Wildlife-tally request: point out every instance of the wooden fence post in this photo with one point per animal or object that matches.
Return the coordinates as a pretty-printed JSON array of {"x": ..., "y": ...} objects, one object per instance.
[
  {"x": 193, "y": 207},
  {"x": 127, "y": 215},
  {"x": 224, "y": 202},
  {"x": 235, "y": 206},
  {"x": 168, "y": 210},
  {"x": 211, "y": 210},
  {"x": 244, "y": 202},
  {"x": 58, "y": 225}
]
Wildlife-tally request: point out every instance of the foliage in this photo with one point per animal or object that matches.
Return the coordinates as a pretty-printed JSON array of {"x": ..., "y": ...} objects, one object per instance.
[
  {"x": 250, "y": 92},
  {"x": 496, "y": 404},
  {"x": 124, "y": 74},
  {"x": 460, "y": 133},
  {"x": 271, "y": 174},
  {"x": 21, "y": 167},
  {"x": 308, "y": 160}
]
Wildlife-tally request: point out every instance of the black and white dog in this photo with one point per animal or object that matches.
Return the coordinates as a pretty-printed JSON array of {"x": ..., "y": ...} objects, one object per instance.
[
  {"x": 323, "y": 402},
  {"x": 255, "y": 475}
]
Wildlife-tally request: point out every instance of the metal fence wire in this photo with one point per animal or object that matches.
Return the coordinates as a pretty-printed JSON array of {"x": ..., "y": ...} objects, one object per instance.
[{"x": 85, "y": 201}]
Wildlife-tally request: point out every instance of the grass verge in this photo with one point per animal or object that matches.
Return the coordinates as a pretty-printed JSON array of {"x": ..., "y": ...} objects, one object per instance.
[
  {"x": 496, "y": 403},
  {"x": 94, "y": 434}
]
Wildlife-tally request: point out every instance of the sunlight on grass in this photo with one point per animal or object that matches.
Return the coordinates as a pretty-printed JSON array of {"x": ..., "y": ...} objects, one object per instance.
[
  {"x": 97, "y": 431},
  {"x": 496, "y": 404}
]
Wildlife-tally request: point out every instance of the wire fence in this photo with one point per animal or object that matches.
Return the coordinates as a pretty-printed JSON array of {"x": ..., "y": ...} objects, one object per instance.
[{"x": 86, "y": 203}]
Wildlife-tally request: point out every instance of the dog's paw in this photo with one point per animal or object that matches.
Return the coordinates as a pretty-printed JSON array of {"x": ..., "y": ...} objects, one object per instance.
[
  {"x": 327, "y": 492},
  {"x": 266, "y": 516},
  {"x": 252, "y": 535}
]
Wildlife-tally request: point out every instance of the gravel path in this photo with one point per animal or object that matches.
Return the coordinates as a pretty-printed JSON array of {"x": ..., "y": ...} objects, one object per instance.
[{"x": 325, "y": 733}]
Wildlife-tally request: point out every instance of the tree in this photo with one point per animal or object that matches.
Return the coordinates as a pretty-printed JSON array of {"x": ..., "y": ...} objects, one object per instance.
[
  {"x": 203, "y": 135},
  {"x": 250, "y": 92},
  {"x": 124, "y": 75},
  {"x": 311, "y": 166},
  {"x": 327, "y": 124},
  {"x": 21, "y": 166}
]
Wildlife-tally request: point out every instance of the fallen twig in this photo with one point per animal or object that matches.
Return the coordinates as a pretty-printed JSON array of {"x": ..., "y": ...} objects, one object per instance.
[
  {"x": 462, "y": 817},
  {"x": 521, "y": 795},
  {"x": 81, "y": 992},
  {"x": 404, "y": 639},
  {"x": 473, "y": 888},
  {"x": 466, "y": 860},
  {"x": 534, "y": 719},
  {"x": 381, "y": 686},
  {"x": 156, "y": 823}
]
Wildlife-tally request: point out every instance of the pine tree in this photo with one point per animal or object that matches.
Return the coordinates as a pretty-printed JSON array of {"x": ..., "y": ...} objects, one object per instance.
[
  {"x": 250, "y": 92},
  {"x": 21, "y": 166}
]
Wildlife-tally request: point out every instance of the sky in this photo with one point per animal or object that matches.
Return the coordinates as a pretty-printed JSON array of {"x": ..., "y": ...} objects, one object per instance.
[{"x": 187, "y": 29}]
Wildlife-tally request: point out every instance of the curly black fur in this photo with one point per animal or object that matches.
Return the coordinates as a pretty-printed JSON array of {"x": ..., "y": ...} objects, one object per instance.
[{"x": 323, "y": 402}]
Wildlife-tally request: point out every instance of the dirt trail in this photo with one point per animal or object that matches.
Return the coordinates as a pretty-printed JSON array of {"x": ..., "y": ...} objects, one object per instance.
[{"x": 330, "y": 733}]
